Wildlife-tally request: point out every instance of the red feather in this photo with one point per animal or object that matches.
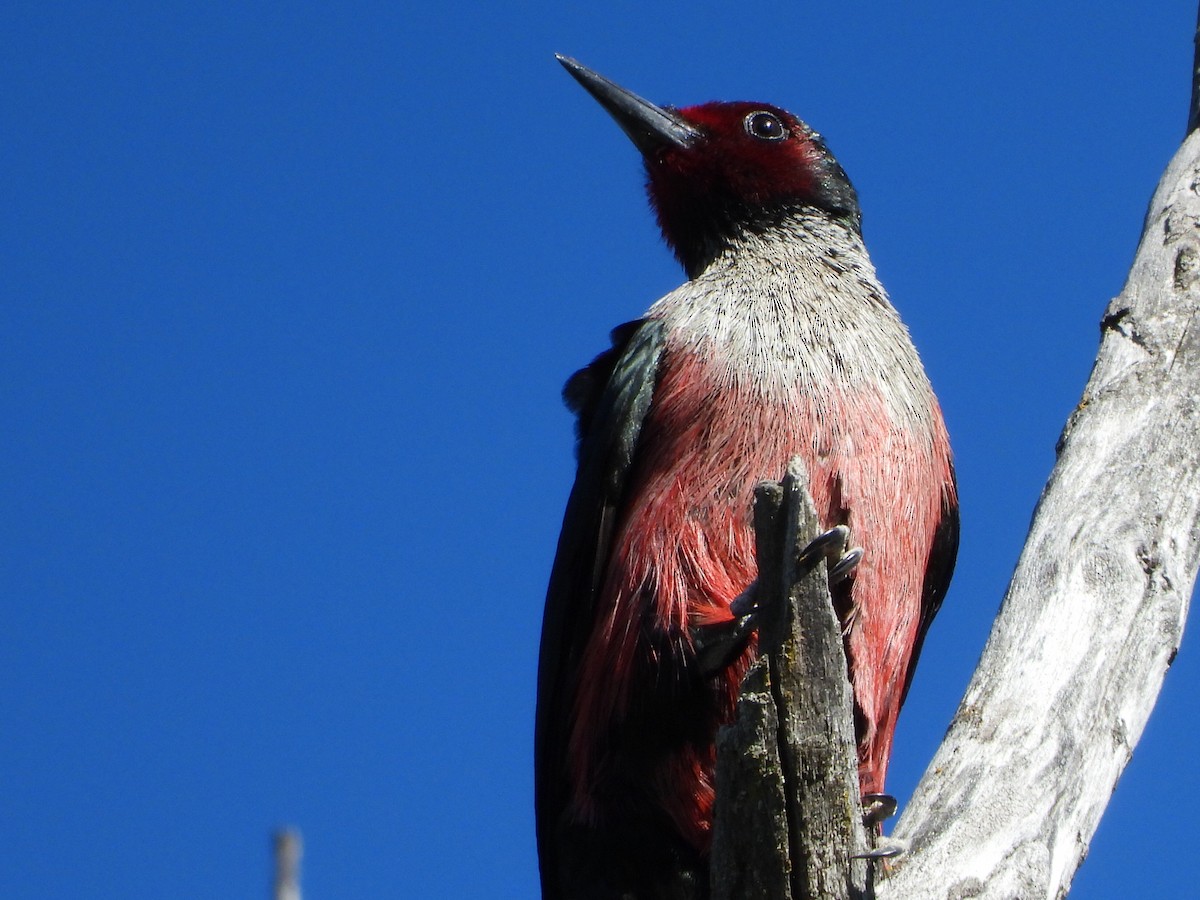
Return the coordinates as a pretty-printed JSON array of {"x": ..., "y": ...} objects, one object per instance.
[{"x": 685, "y": 549}]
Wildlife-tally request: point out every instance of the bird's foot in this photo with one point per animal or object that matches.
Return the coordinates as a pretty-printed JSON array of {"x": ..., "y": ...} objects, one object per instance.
[
  {"x": 877, "y": 808},
  {"x": 834, "y": 547},
  {"x": 884, "y": 849},
  {"x": 717, "y": 643}
]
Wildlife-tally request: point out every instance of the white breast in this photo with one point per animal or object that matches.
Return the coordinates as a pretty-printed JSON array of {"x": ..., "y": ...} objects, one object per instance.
[{"x": 800, "y": 311}]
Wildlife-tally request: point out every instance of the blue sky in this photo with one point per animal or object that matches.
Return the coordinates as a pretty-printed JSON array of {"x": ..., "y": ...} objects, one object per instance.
[{"x": 288, "y": 294}]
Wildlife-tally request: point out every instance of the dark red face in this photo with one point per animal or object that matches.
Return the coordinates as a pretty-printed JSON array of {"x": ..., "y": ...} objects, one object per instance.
[{"x": 753, "y": 163}]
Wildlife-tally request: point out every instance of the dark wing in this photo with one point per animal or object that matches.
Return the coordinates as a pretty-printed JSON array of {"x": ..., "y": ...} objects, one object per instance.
[
  {"x": 611, "y": 398},
  {"x": 942, "y": 555}
]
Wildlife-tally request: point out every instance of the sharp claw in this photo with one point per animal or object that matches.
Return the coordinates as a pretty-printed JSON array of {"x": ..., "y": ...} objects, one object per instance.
[
  {"x": 829, "y": 544},
  {"x": 885, "y": 848},
  {"x": 832, "y": 545},
  {"x": 878, "y": 807},
  {"x": 844, "y": 566}
]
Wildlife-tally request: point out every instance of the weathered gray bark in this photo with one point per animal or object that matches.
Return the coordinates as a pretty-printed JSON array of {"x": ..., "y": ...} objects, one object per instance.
[
  {"x": 1095, "y": 611},
  {"x": 788, "y": 819}
]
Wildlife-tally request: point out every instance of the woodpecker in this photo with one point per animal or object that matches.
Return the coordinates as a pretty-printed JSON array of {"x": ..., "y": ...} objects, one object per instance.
[{"x": 782, "y": 342}]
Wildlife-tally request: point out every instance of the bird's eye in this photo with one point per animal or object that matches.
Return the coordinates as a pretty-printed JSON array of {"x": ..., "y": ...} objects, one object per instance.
[{"x": 766, "y": 126}]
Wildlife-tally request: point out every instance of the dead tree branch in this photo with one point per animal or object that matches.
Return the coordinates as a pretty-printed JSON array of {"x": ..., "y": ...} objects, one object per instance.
[
  {"x": 788, "y": 818},
  {"x": 1096, "y": 608},
  {"x": 288, "y": 849}
]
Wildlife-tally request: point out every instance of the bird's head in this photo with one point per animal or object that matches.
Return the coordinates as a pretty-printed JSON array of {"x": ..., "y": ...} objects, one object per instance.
[{"x": 720, "y": 170}]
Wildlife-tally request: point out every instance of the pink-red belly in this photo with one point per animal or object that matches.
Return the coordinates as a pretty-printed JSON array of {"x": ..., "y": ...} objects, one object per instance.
[{"x": 684, "y": 551}]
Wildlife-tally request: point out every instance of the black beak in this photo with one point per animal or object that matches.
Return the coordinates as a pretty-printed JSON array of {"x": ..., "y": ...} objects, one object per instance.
[{"x": 650, "y": 127}]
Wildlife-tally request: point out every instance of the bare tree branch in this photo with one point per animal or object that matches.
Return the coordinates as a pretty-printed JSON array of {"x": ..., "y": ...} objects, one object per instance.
[
  {"x": 788, "y": 822},
  {"x": 1095, "y": 611},
  {"x": 288, "y": 849}
]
